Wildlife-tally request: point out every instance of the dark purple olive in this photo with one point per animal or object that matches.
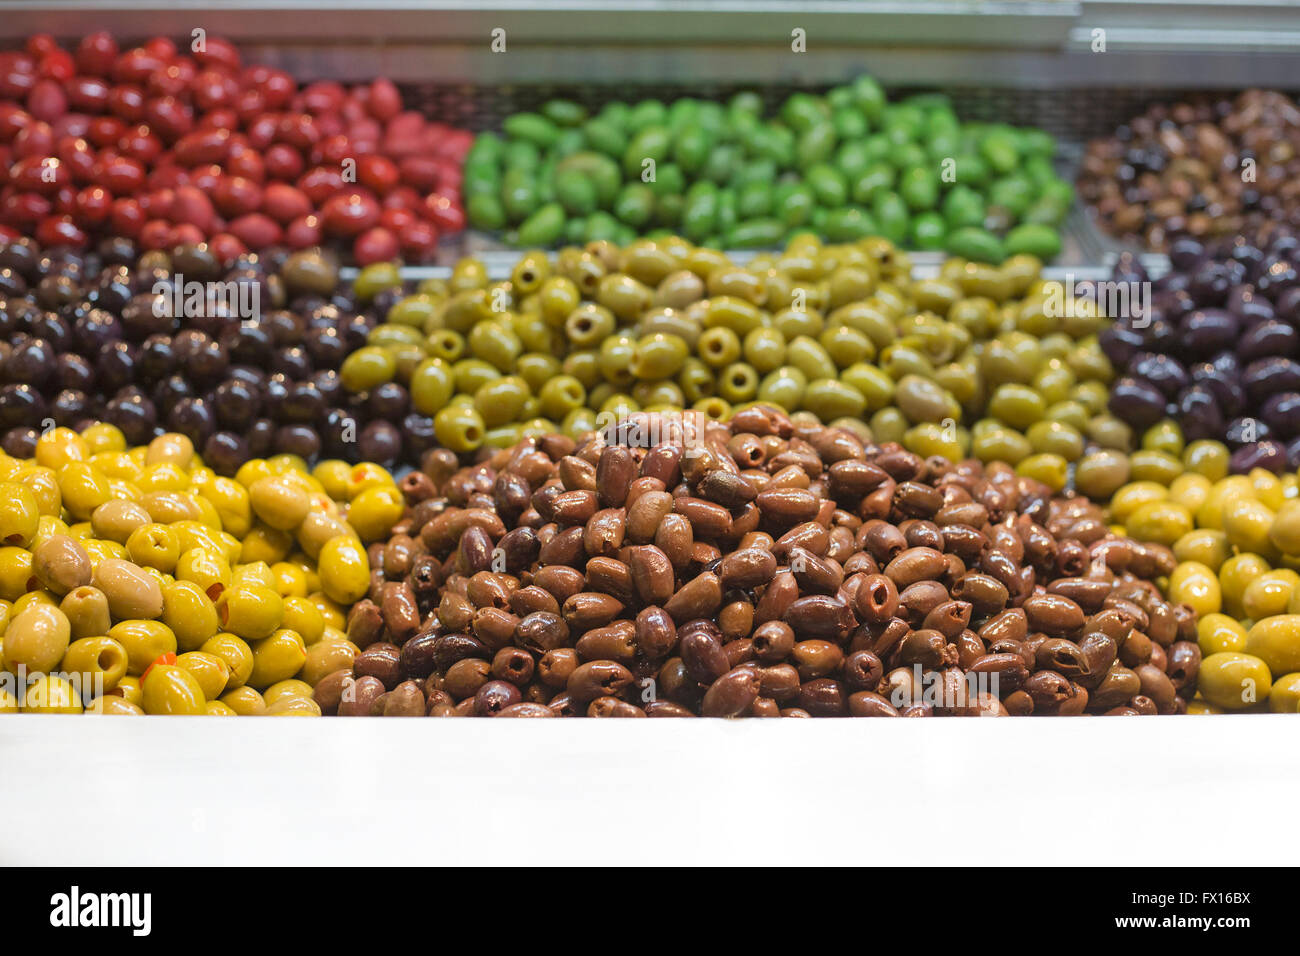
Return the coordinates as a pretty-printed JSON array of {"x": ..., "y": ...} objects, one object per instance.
[
  {"x": 1208, "y": 331},
  {"x": 115, "y": 368},
  {"x": 1271, "y": 337},
  {"x": 224, "y": 452},
  {"x": 21, "y": 404},
  {"x": 1246, "y": 431},
  {"x": 236, "y": 404},
  {"x": 1288, "y": 305},
  {"x": 1162, "y": 371},
  {"x": 1270, "y": 455},
  {"x": 1249, "y": 256},
  {"x": 1269, "y": 376},
  {"x": 54, "y": 292},
  {"x": 326, "y": 347},
  {"x": 157, "y": 358},
  {"x": 1137, "y": 402},
  {"x": 1174, "y": 305},
  {"x": 1246, "y": 305},
  {"x": 21, "y": 442},
  {"x": 1185, "y": 254},
  {"x": 355, "y": 329},
  {"x": 69, "y": 407},
  {"x": 193, "y": 418},
  {"x": 1121, "y": 342},
  {"x": 261, "y": 436},
  {"x": 1199, "y": 414},
  {"x": 417, "y": 435},
  {"x": 300, "y": 440},
  {"x": 248, "y": 374},
  {"x": 301, "y": 404},
  {"x": 1285, "y": 246},
  {"x": 1293, "y": 454},
  {"x": 11, "y": 283},
  {"x": 171, "y": 390},
  {"x": 381, "y": 443},
  {"x": 54, "y": 330},
  {"x": 139, "y": 320},
  {"x": 329, "y": 385},
  {"x": 113, "y": 291},
  {"x": 75, "y": 372},
  {"x": 339, "y": 432},
  {"x": 32, "y": 361},
  {"x": 206, "y": 361},
  {"x": 1277, "y": 280},
  {"x": 387, "y": 402},
  {"x": 286, "y": 327},
  {"x": 1211, "y": 282},
  {"x": 385, "y": 299},
  {"x": 1281, "y": 413},
  {"x": 134, "y": 415},
  {"x": 249, "y": 343},
  {"x": 292, "y": 362},
  {"x": 20, "y": 255}
]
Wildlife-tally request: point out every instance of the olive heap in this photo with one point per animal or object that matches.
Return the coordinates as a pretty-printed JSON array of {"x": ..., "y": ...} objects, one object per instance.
[
  {"x": 842, "y": 331},
  {"x": 168, "y": 146},
  {"x": 96, "y": 338},
  {"x": 1220, "y": 355},
  {"x": 846, "y": 165},
  {"x": 1237, "y": 541},
  {"x": 138, "y": 580},
  {"x": 762, "y": 567}
]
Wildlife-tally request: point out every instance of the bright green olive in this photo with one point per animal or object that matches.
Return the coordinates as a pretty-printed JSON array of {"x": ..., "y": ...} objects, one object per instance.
[
  {"x": 847, "y": 346},
  {"x": 829, "y": 398},
  {"x": 501, "y": 400},
  {"x": 872, "y": 383},
  {"x": 738, "y": 383},
  {"x": 999, "y": 444},
  {"x": 471, "y": 373},
  {"x": 459, "y": 428},
  {"x": 1055, "y": 438},
  {"x": 792, "y": 323},
  {"x": 889, "y": 424},
  {"x": 366, "y": 368},
  {"x": 1101, "y": 473},
  {"x": 250, "y": 611},
  {"x": 719, "y": 346},
  {"x": 616, "y": 354},
  {"x": 785, "y": 387},
  {"x": 496, "y": 344},
  {"x": 658, "y": 356},
  {"x": 764, "y": 349}
]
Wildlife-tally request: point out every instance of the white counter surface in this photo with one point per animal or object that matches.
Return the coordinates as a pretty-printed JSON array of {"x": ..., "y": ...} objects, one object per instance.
[{"x": 85, "y": 790}]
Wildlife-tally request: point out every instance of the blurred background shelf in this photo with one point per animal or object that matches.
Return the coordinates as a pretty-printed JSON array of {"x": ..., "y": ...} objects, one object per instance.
[
  {"x": 1031, "y": 45},
  {"x": 1026, "y": 62}
]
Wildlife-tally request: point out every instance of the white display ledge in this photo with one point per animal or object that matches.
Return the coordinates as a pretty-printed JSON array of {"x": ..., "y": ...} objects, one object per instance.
[{"x": 84, "y": 790}]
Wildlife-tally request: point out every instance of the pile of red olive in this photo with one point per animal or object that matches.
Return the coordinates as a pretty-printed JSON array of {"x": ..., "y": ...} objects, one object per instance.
[{"x": 169, "y": 146}]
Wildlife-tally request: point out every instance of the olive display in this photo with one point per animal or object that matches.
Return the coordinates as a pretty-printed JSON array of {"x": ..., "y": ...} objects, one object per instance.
[
  {"x": 763, "y": 567},
  {"x": 1219, "y": 351},
  {"x": 981, "y": 360},
  {"x": 138, "y": 580},
  {"x": 246, "y": 366},
  {"x": 847, "y": 165}
]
